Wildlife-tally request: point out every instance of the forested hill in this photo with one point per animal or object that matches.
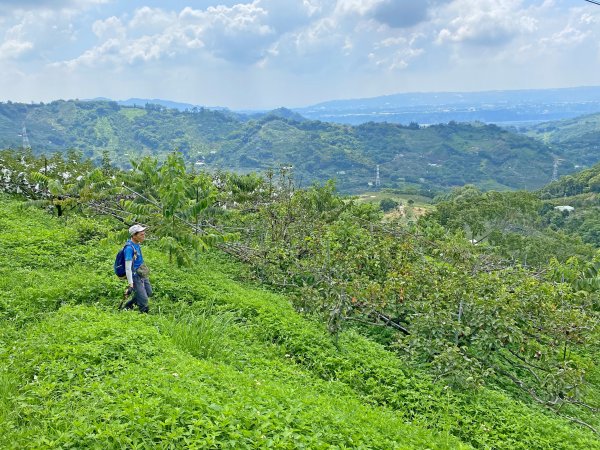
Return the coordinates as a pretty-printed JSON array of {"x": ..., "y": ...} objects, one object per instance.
[
  {"x": 427, "y": 159},
  {"x": 577, "y": 139}
]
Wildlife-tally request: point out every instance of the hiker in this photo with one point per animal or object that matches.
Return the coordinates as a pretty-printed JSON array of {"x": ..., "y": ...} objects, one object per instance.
[{"x": 136, "y": 271}]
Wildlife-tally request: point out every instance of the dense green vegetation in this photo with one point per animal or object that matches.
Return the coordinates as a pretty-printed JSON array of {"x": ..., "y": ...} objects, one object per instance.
[
  {"x": 414, "y": 159},
  {"x": 581, "y": 192},
  {"x": 363, "y": 333},
  {"x": 576, "y": 141}
]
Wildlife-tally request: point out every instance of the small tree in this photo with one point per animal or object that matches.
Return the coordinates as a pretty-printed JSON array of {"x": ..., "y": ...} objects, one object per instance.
[
  {"x": 171, "y": 201},
  {"x": 388, "y": 204}
]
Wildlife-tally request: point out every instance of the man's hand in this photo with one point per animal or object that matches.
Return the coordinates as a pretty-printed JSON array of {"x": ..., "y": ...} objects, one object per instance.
[{"x": 126, "y": 294}]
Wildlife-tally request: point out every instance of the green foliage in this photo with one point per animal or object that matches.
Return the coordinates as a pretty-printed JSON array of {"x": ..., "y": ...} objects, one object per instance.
[
  {"x": 200, "y": 334},
  {"x": 56, "y": 183},
  {"x": 93, "y": 377},
  {"x": 462, "y": 313},
  {"x": 514, "y": 224},
  {"x": 576, "y": 139},
  {"x": 171, "y": 202},
  {"x": 484, "y": 213},
  {"x": 174, "y": 203},
  {"x": 579, "y": 192},
  {"x": 102, "y": 392}
]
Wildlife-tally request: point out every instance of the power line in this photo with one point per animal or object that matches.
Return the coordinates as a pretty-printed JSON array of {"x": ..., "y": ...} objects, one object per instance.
[{"x": 595, "y": 2}]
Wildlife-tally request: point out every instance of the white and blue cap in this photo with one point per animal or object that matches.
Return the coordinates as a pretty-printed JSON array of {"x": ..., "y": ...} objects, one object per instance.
[{"x": 136, "y": 229}]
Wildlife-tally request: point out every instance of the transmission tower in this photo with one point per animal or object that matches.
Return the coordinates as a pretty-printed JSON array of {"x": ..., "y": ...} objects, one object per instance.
[
  {"x": 377, "y": 179},
  {"x": 26, "y": 144}
]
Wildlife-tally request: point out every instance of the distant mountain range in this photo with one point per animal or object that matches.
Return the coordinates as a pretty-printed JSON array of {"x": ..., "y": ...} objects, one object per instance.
[
  {"x": 506, "y": 108},
  {"x": 156, "y": 101},
  {"x": 516, "y": 107}
]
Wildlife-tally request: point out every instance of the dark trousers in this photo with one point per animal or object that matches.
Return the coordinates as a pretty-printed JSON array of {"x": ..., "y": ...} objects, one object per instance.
[{"x": 141, "y": 291}]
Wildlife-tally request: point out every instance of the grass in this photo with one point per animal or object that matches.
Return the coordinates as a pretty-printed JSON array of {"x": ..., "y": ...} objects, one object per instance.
[{"x": 199, "y": 333}]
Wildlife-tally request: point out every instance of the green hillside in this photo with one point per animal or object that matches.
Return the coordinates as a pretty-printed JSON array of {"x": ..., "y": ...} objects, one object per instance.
[
  {"x": 97, "y": 126},
  {"x": 411, "y": 158},
  {"x": 576, "y": 140},
  {"x": 581, "y": 192},
  {"x": 219, "y": 363}
]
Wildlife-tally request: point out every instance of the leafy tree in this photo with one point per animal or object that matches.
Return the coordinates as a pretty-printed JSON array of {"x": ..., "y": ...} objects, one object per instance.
[
  {"x": 170, "y": 201},
  {"x": 388, "y": 204},
  {"x": 62, "y": 184},
  {"x": 68, "y": 193},
  {"x": 514, "y": 224}
]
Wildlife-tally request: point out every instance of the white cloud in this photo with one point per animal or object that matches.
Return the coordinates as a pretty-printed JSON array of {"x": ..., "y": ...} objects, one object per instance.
[
  {"x": 14, "y": 48},
  {"x": 152, "y": 20},
  {"x": 241, "y": 34},
  {"x": 312, "y": 6},
  {"x": 37, "y": 34},
  {"x": 241, "y": 18},
  {"x": 109, "y": 28},
  {"x": 589, "y": 19},
  {"x": 15, "y": 44},
  {"x": 567, "y": 36},
  {"x": 485, "y": 22},
  {"x": 11, "y": 6},
  {"x": 361, "y": 7}
]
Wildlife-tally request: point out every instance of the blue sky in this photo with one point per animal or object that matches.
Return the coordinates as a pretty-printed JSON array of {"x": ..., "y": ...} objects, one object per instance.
[{"x": 272, "y": 53}]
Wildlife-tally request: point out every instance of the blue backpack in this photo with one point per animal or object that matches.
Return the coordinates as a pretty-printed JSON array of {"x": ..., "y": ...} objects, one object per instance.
[{"x": 120, "y": 261}]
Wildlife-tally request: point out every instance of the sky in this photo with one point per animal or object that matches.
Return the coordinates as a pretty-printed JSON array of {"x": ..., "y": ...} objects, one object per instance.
[{"x": 265, "y": 54}]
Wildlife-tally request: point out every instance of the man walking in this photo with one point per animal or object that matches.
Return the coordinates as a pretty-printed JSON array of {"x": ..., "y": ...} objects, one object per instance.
[{"x": 136, "y": 271}]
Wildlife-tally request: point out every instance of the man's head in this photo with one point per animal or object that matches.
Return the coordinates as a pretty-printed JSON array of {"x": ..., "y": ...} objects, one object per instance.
[{"x": 137, "y": 233}]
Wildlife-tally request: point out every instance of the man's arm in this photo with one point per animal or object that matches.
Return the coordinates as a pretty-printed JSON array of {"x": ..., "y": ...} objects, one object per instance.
[
  {"x": 129, "y": 272},
  {"x": 129, "y": 257}
]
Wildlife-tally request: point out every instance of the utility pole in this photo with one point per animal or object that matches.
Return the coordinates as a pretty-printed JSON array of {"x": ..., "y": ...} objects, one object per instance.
[{"x": 377, "y": 179}]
